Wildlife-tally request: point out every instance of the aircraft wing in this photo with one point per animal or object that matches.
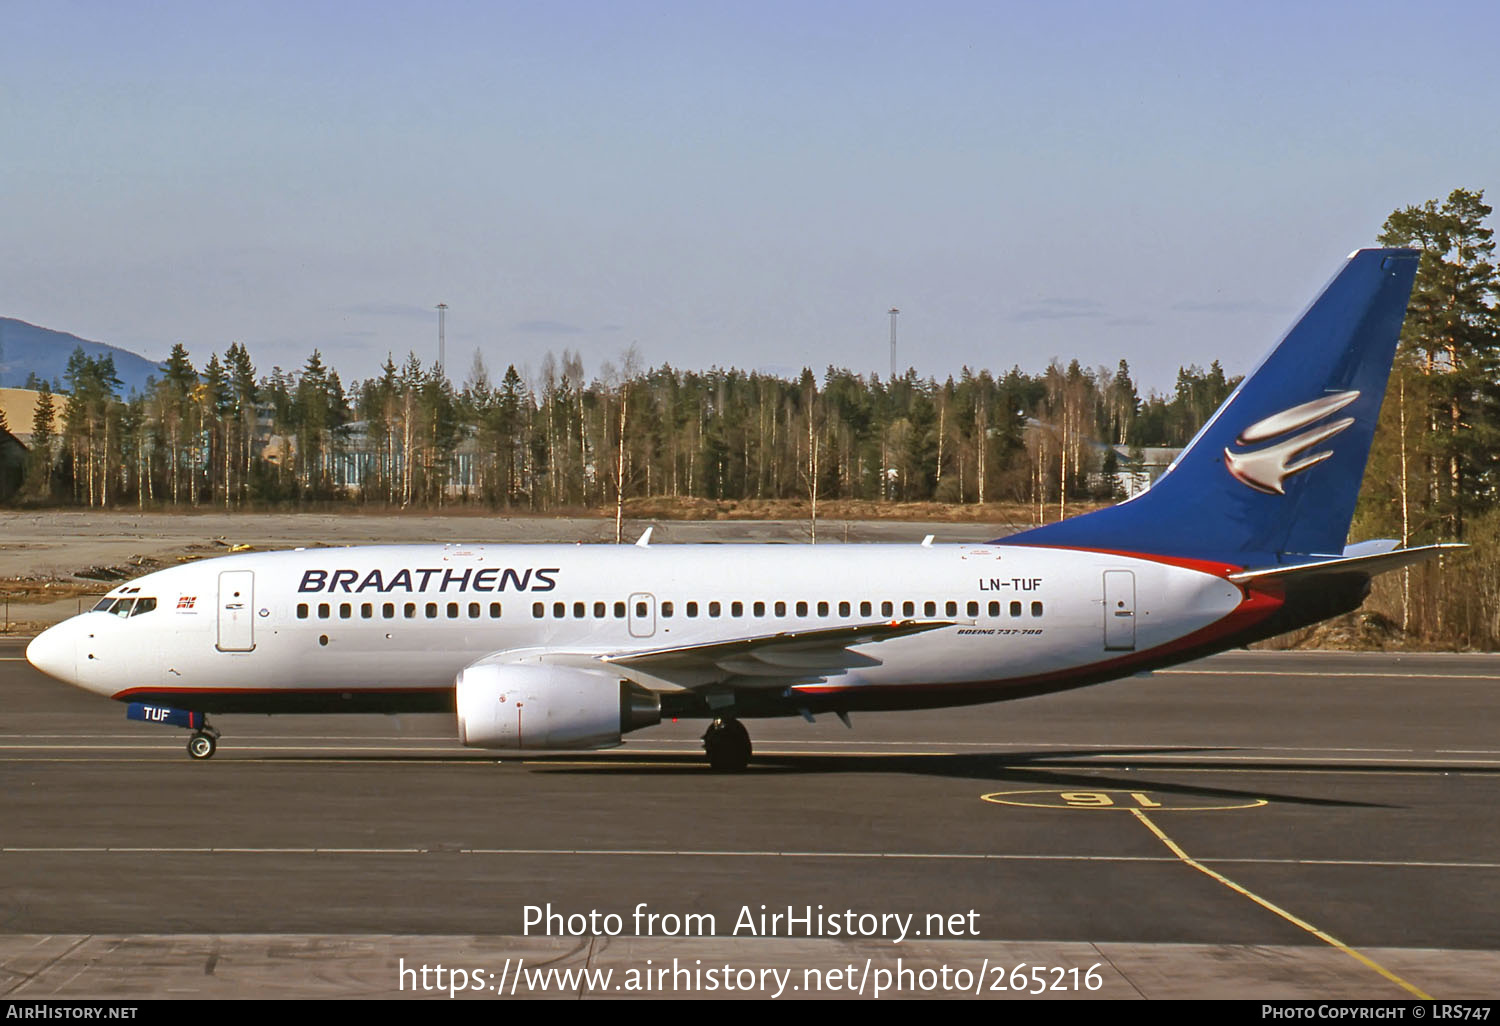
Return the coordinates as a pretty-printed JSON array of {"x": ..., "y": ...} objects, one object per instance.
[
  {"x": 1369, "y": 564},
  {"x": 773, "y": 658}
]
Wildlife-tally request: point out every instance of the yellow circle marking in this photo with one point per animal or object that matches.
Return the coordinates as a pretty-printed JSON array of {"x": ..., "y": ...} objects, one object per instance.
[{"x": 1110, "y": 801}]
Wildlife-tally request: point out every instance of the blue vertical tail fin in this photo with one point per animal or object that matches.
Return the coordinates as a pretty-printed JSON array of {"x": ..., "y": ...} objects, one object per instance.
[{"x": 1274, "y": 475}]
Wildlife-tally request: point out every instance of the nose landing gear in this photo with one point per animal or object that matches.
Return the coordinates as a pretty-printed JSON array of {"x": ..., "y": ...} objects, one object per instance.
[
  {"x": 728, "y": 746},
  {"x": 205, "y": 739},
  {"x": 204, "y": 742}
]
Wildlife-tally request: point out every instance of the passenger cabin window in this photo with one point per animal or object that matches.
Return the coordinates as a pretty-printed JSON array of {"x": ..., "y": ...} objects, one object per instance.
[
  {"x": 758, "y": 609},
  {"x": 951, "y": 609},
  {"x": 367, "y": 610},
  {"x": 908, "y": 608},
  {"x": 1015, "y": 609},
  {"x": 822, "y": 608},
  {"x": 973, "y": 608},
  {"x": 887, "y": 609},
  {"x": 322, "y": 610},
  {"x": 713, "y": 609},
  {"x": 432, "y": 610},
  {"x": 453, "y": 610},
  {"x": 599, "y": 610},
  {"x": 559, "y": 609},
  {"x": 302, "y": 610},
  {"x": 345, "y": 610},
  {"x": 736, "y": 609},
  {"x": 866, "y": 609},
  {"x": 538, "y": 609},
  {"x": 666, "y": 609},
  {"x": 579, "y": 611},
  {"x": 692, "y": 609},
  {"x": 410, "y": 610},
  {"x": 473, "y": 610},
  {"x": 494, "y": 610},
  {"x": 1036, "y": 609},
  {"x": 640, "y": 610},
  {"x": 994, "y": 608},
  {"x": 801, "y": 608},
  {"x": 619, "y": 610},
  {"x": 388, "y": 610},
  {"x": 781, "y": 609}
]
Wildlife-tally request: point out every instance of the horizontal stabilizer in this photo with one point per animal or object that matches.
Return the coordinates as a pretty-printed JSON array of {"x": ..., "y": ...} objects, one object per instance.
[
  {"x": 1370, "y": 548},
  {"x": 1370, "y": 565}
]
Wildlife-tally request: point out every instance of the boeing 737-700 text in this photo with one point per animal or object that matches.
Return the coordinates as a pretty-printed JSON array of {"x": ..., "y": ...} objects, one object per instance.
[{"x": 570, "y": 647}]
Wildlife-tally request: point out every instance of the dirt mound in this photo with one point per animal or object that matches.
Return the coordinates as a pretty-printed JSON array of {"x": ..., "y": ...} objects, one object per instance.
[
  {"x": 1360, "y": 631},
  {"x": 46, "y": 589},
  {"x": 682, "y": 508},
  {"x": 133, "y": 568}
]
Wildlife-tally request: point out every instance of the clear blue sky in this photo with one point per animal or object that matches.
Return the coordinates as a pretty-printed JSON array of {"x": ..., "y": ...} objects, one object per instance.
[{"x": 750, "y": 184}]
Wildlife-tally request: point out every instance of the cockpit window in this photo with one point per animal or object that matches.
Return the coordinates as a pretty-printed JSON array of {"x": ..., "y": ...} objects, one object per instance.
[{"x": 128, "y": 605}]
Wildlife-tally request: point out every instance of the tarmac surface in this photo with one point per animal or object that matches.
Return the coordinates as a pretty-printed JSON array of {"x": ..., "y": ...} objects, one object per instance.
[{"x": 1253, "y": 825}]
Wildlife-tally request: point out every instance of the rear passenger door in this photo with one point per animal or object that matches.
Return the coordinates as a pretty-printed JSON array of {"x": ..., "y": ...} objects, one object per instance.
[{"x": 1119, "y": 610}]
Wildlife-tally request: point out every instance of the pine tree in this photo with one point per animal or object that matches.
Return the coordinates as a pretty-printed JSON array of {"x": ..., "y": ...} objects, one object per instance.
[
  {"x": 1448, "y": 357},
  {"x": 508, "y": 431},
  {"x": 215, "y": 403},
  {"x": 42, "y": 428},
  {"x": 243, "y": 422},
  {"x": 1432, "y": 473},
  {"x": 174, "y": 394},
  {"x": 314, "y": 418},
  {"x": 1124, "y": 401}
]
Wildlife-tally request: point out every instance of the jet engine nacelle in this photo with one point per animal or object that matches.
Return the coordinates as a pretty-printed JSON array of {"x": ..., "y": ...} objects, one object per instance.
[{"x": 526, "y": 707}]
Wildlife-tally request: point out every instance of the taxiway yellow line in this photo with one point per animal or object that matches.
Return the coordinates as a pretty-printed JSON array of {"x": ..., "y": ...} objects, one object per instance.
[{"x": 1326, "y": 938}]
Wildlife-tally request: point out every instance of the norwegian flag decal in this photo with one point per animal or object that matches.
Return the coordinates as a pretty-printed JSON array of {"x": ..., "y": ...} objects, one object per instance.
[{"x": 186, "y": 601}]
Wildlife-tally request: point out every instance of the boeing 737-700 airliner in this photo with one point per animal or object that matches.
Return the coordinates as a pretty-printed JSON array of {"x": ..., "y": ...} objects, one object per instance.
[{"x": 570, "y": 647}]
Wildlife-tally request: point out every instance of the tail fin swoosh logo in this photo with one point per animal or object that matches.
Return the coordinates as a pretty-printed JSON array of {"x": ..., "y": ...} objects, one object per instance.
[{"x": 1267, "y": 469}]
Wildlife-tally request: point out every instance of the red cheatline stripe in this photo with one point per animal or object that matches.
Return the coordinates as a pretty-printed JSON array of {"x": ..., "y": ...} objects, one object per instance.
[
  {"x": 1256, "y": 606},
  {"x": 1207, "y": 566},
  {"x": 331, "y": 690}
]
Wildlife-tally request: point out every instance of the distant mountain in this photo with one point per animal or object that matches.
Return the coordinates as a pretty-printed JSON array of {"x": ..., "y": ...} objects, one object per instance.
[{"x": 27, "y": 349}]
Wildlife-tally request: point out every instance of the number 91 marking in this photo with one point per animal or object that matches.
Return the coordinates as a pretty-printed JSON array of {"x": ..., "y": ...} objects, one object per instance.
[{"x": 1118, "y": 801}]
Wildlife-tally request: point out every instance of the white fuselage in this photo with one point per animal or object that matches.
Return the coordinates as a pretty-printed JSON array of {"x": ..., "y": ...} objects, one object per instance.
[{"x": 376, "y": 618}]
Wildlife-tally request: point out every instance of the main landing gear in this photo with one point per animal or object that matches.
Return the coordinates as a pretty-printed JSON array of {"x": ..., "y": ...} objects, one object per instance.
[
  {"x": 204, "y": 742},
  {"x": 728, "y": 746}
]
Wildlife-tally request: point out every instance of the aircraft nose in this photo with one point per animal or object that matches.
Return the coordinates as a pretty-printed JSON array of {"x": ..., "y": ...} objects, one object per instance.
[{"x": 54, "y": 653}]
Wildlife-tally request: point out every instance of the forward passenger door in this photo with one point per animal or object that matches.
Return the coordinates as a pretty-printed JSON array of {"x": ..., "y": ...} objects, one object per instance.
[{"x": 236, "y": 611}]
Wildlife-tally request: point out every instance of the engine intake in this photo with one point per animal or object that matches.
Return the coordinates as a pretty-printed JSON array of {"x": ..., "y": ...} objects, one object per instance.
[{"x": 536, "y": 707}]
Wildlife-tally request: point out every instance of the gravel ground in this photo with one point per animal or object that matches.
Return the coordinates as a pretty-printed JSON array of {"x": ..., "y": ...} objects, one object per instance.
[{"x": 61, "y": 544}]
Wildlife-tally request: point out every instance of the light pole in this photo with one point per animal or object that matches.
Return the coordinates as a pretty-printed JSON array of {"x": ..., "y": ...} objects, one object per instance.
[{"x": 894, "y": 312}]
